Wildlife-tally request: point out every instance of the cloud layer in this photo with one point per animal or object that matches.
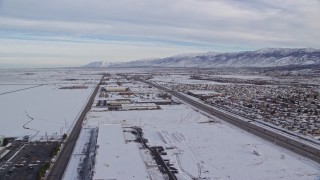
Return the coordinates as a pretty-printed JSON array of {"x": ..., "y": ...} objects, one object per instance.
[{"x": 72, "y": 32}]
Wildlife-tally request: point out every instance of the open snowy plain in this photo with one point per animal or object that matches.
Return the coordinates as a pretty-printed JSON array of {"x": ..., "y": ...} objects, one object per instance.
[
  {"x": 211, "y": 150},
  {"x": 198, "y": 146},
  {"x": 32, "y": 103}
]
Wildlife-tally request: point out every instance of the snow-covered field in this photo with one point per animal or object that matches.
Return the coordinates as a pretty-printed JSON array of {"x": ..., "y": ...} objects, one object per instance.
[
  {"x": 197, "y": 147},
  {"x": 53, "y": 110},
  {"x": 224, "y": 152},
  {"x": 116, "y": 159},
  {"x": 173, "y": 114},
  {"x": 211, "y": 150},
  {"x": 10, "y": 88}
]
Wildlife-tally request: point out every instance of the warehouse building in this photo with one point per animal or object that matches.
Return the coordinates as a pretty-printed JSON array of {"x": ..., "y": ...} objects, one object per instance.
[
  {"x": 116, "y": 104},
  {"x": 127, "y": 94},
  {"x": 116, "y": 89},
  {"x": 156, "y": 101},
  {"x": 139, "y": 106}
]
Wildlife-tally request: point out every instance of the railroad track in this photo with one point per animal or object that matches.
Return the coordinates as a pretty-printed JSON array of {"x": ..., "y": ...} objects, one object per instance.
[
  {"x": 59, "y": 166},
  {"x": 156, "y": 155},
  {"x": 300, "y": 146}
]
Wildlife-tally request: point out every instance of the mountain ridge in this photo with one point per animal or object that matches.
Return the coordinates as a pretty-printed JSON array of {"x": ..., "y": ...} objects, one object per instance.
[{"x": 267, "y": 57}]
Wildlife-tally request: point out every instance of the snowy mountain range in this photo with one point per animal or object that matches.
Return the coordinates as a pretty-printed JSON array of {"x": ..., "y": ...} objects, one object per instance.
[
  {"x": 271, "y": 57},
  {"x": 98, "y": 64}
]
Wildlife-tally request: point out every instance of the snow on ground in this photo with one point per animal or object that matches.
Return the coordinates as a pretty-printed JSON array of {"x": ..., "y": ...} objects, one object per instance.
[
  {"x": 10, "y": 88},
  {"x": 115, "y": 159},
  {"x": 71, "y": 173},
  {"x": 226, "y": 152},
  {"x": 197, "y": 148},
  {"x": 173, "y": 114},
  {"x": 210, "y": 150},
  {"x": 48, "y": 76},
  {"x": 54, "y": 110}
]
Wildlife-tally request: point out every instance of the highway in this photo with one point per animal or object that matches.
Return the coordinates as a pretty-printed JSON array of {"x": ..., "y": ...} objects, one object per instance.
[
  {"x": 59, "y": 166},
  {"x": 298, "y": 146}
]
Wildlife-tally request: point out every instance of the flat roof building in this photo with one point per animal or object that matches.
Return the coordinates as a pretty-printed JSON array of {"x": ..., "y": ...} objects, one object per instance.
[
  {"x": 117, "y": 89},
  {"x": 118, "y": 102},
  {"x": 139, "y": 106},
  {"x": 116, "y": 159}
]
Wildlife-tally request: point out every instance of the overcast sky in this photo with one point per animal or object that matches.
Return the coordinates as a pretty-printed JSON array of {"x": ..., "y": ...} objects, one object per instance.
[{"x": 44, "y": 33}]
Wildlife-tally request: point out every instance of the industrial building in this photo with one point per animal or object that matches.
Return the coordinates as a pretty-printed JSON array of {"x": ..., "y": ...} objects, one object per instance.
[
  {"x": 127, "y": 94},
  {"x": 116, "y": 89},
  {"x": 156, "y": 101},
  {"x": 139, "y": 106},
  {"x": 116, "y": 104}
]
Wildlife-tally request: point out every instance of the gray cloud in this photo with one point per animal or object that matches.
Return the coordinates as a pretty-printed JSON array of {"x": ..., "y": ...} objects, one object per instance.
[{"x": 223, "y": 25}]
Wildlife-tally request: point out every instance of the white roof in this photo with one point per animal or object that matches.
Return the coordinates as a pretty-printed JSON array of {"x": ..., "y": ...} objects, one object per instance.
[
  {"x": 153, "y": 100},
  {"x": 116, "y": 88},
  {"x": 203, "y": 92},
  {"x": 118, "y": 101},
  {"x": 115, "y": 158},
  {"x": 140, "y": 105}
]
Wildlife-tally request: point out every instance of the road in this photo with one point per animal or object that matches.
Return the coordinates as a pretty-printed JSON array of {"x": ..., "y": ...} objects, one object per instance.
[
  {"x": 299, "y": 146},
  {"x": 63, "y": 158}
]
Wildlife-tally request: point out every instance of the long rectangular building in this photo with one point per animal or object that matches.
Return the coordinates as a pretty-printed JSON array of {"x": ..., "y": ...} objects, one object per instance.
[
  {"x": 115, "y": 159},
  {"x": 139, "y": 106}
]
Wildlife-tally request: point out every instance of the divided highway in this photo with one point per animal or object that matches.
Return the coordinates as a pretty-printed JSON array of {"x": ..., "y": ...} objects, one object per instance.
[
  {"x": 301, "y": 147},
  {"x": 63, "y": 158}
]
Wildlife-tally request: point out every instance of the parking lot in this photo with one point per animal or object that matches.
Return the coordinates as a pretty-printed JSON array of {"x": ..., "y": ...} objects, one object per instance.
[{"x": 25, "y": 160}]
